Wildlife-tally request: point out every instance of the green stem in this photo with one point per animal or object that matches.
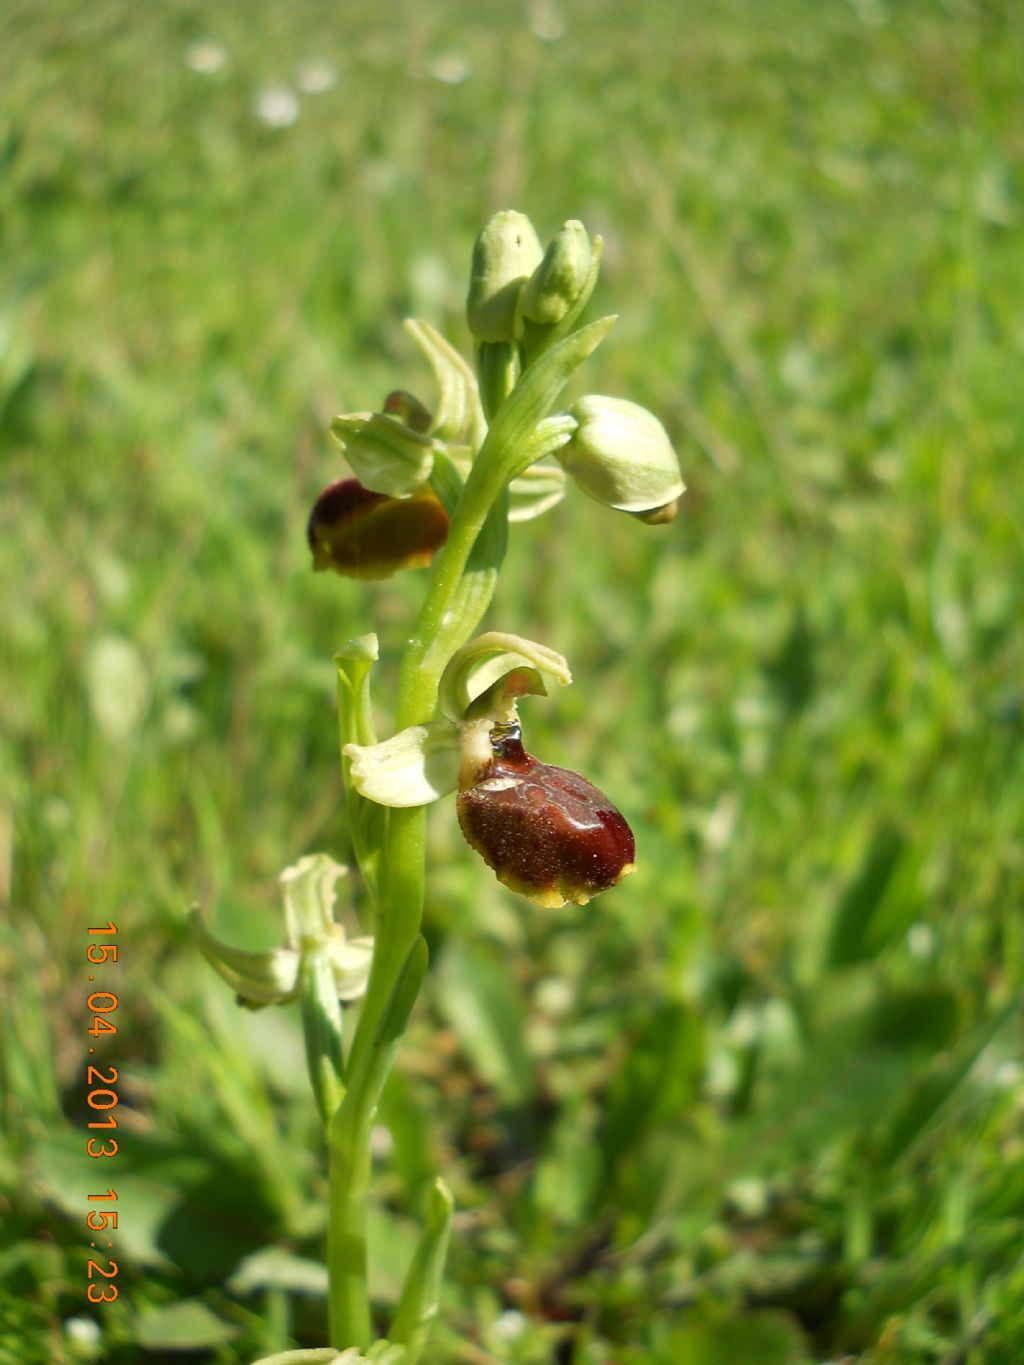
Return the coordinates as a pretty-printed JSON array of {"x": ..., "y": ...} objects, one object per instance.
[
  {"x": 349, "y": 1159},
  {"x": 348, "y": 1303},
  {"x": 400, "y": 909}
]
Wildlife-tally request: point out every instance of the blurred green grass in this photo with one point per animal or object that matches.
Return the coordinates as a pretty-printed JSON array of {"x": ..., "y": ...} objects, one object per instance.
[{"x": 763, "y": 1101}]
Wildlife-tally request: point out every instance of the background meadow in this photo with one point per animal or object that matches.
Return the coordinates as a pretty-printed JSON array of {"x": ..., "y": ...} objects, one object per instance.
[{"x": 761, "y": 1103}]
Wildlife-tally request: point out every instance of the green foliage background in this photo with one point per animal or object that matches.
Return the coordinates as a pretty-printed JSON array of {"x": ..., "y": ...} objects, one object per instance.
[{"x": 762, "y": 1102}]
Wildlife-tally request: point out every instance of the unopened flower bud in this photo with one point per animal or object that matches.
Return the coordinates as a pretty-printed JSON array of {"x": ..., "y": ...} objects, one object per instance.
[
  {"x": 620, "y": 454},
  {"x": 386, "y": 455},
  {"x": 546, "y": 832},
  {"x": 558, "y": 281},
  {"x": 406, "y": 407},
  {"x": 362, "y": 534},
  {"x": 505, "y": 255}
]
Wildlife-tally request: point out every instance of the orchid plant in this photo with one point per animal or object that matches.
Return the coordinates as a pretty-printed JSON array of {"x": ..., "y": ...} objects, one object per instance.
[{"x": 440, "y": 489}]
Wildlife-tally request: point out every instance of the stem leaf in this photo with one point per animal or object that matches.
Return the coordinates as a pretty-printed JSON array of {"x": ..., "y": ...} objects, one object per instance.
[{"x": 421, "y": 1293}]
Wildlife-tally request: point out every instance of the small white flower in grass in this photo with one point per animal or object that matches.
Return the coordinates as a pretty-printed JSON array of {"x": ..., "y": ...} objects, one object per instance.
[
  {"x": 277, "y": 106},
  {"x": 382, "y": 1144},
  {"x": 546, "y": 20},
  {"x": 316, "y": 77},
  {"x": 84, "y": 1332},
  {"x": 206, "y": 58},
  {"x": 451, "y": 68},
  {"x": 510, "y": 1325},
  {"x": 921, "y": 941}
]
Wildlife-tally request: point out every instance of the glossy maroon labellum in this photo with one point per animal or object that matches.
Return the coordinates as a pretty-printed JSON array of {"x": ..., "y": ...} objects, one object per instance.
[
  {"x": 547, "y": 833},
  {"x": 362, "y": 534}
]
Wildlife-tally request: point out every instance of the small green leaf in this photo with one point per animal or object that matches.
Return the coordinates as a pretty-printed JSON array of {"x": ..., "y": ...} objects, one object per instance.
[
  {"x": 275, "y": 1267},
  {"x": 355, "y": 662},
  {"x": 322, "y": 1030},
  {"x": 396, "y": 1015},
  {"x": 184, "y": 1326},
  {"x": 534, "y": 395},
  {"x": 421, "y": 1293}
]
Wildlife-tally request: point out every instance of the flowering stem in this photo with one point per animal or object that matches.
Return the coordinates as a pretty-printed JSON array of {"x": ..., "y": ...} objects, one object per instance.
[{"x": 460, "y": 591}]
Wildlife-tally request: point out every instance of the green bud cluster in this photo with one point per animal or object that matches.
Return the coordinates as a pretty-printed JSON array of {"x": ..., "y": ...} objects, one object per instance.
[
  {"x": 520, "y": 303},
  {"x": 512, "y": 281}
]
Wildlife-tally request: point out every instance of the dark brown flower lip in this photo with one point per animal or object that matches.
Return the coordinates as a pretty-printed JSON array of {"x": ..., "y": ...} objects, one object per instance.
[
  {"x": 362, "y": 534},
  {"x": 546, "y": 832}
]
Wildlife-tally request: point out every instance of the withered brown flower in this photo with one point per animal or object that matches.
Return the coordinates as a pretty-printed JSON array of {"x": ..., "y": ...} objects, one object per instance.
[{"x": 362, "y": 534}]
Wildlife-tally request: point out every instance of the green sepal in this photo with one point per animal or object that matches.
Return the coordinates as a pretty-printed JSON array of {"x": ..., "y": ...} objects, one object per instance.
[
  {"x": 530, "y": 494},
  {"x": 416, "y": 766},
  {"x": 386, "y": 455},
  {"x": 535, "y": 491},
  {"x": 258, "y": 979},
  {"x": 355, "y": 662},
  {"x": 458, "y": 414},
  {"x": 310, "y": 898},
  {"x": 421, "y": 1292}
]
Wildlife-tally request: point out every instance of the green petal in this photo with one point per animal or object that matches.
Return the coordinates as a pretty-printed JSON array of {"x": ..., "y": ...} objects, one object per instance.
[
  {"x": 309, "y": 898},
  {"x": 350, "y": 959},
  {"x": 458, "y": 413},
  {"x": 481, "y": 666},
  {"x": 412, "y": 768}
]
